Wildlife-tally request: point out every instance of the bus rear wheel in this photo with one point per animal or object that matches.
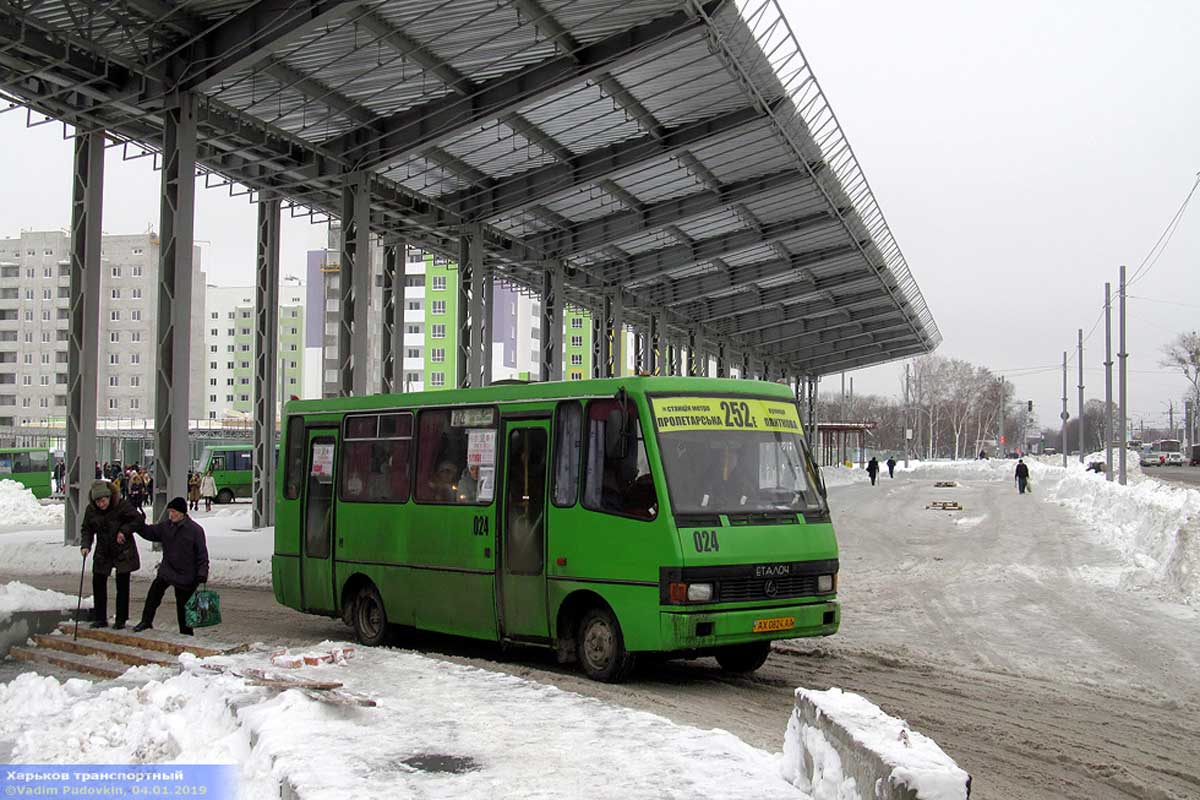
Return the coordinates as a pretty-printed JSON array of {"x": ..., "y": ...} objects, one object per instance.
[
  {"x": 743, "y": 657},
  {"x": 601, "y": 647},
  {"x": 225, "y": 497},
  {"x": 370, "y": 618}
]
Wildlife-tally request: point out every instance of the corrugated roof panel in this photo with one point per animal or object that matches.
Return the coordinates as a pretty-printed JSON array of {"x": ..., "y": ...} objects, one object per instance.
[
  {"x": 685, "y": 84},
  {"x": 590, "y": 20},
  {"x": 422, "y": 176},
  {"x": 582, "y": 118},
  {"x": 715, "y": 224},
  {"x": 265, "y": 98},
  {"x": 660, "y": 180},
  {"x": 497, "y": 151}
]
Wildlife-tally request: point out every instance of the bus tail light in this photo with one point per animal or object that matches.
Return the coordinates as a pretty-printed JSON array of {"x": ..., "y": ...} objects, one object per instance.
[{"x": 680, "y": 593}]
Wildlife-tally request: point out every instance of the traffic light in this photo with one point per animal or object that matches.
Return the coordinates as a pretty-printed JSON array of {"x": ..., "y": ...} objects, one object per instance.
[{"x": 1030, "y": 407}]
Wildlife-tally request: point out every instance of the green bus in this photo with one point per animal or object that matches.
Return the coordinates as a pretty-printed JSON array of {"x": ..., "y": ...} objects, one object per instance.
[
  {"x": 603, "y": 518},
  {"x": 28, "y": 466},
  {"x": 232, "y": 469}
]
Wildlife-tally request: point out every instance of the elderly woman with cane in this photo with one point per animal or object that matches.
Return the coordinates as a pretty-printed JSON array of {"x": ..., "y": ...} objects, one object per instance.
[{"x": 108, "y": 524}]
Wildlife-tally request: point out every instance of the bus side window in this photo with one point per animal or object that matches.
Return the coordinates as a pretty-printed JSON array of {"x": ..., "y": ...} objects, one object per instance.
[
  {"x": 294, "y": 466},
  {"x": 242, "y": 460},
  {"x": 39, "y": 461},
  {"x": 217, "y": 463},
  {"x": 456, "y": 457},
  {"x": 568, "y": 444},
  {"x": 21, "y": 463},
  {"x": 618, "y": 471},
  {"x": 375, "y": 459}
]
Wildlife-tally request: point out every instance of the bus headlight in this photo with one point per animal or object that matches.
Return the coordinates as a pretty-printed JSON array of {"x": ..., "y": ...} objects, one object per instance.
[
  {"x": 699, "y": 592},
  {"x": 825, "y": 584}
]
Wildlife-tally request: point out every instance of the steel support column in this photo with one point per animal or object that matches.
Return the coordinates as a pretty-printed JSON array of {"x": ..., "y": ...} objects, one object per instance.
[
  {"x": 811, "y": 427},
  {"x": 599, "y": 351},
  {"x": 722, "y": 362},
  {"x": 488, "y": 317},
  {"x": 354, "y": 281},
  {"x": 471, "y": 323},
  {"x": 656, "y": 346},
  {"x": 613, "y": 330},
  {"x": 693, "y": 359},
  {"x": 266, "y": 362},
  {"x": 745, "y": 374},
  {"x": 552, "y": 323},
  {"x": 87, "y": 199},
  {"x": 639, "y": 352},
  {"x": 178, "y": 196},
  {"x": 392, "y": 339}
]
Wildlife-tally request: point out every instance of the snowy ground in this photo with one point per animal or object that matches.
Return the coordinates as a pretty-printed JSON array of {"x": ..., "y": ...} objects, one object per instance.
[{"x": 440, "y": 730}]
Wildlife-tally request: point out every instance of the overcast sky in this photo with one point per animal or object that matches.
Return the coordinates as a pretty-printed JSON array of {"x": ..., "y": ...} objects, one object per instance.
[{"x": 1021, "y": 152}]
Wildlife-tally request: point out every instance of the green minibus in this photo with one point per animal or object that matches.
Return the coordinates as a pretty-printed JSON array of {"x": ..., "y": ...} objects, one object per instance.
[
  {"x": 28, "y": 466},
  {"x": 232, "y": 469},
  {"x": 604, "y": 518}
]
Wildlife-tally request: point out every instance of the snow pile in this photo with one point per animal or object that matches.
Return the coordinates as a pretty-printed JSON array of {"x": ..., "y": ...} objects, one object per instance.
[
  {"x": 1155, "y": 525},
  {"x": 843, "y": 476},
  {"x": 501, "y": 736},
  {"x": 17, "y": 596},
  {"x": 912, "y": 759},
  {"x": 238, "y": 555},
  {"x": 19, "y": 508}
]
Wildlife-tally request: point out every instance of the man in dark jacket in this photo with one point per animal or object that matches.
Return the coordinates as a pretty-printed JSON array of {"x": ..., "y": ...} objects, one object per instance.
[
  {"x": 1022, "y": 476},
  {"x": 891, "y": 465},
  {"x": 873, "y": 469},
  {"x": 109, "y": 523},
  {"x": 184, "y": 564}
]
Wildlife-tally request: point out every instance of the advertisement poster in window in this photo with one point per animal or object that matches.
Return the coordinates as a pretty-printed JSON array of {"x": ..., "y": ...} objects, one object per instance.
[
  {"x": 481, "y": 457},
  {"x": 322, "y": 462}
]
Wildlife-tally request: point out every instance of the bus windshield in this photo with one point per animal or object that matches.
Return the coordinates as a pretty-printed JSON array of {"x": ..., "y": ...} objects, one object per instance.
[
  {"x": 1168, "y": 446},
  {"x": 735, "y": 456}
]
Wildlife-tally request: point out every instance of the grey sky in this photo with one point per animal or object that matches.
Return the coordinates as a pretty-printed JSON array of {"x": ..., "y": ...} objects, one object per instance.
[{"x": 1020, "y": 151}]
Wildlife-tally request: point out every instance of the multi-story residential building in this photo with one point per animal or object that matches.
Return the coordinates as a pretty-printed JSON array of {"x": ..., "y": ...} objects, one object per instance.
[
  {"x": 35, "y": 296},
  {"x": 577, "y": 344},
  {"x": 229, "y": 348}
]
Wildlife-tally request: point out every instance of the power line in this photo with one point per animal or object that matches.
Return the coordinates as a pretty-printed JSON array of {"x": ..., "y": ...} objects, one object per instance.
[
  {"x": 1163, "y": 240},
  {"x": 1164, "y": 302}
]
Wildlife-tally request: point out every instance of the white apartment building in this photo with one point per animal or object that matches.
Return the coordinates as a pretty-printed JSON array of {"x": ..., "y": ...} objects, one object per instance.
[
  {"x": 229, "y": 348},
  {"x": 35, "y": 296}
]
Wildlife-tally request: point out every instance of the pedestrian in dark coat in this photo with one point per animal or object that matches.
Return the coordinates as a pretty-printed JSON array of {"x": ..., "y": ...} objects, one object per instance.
[
  {"x": 891, "y": 465},
  {"x": 873, "y": 469},
  {"x": 1022, "y": 476},
  {"x": 184, "y": 564},
  {"x": 108, "y": 524}
]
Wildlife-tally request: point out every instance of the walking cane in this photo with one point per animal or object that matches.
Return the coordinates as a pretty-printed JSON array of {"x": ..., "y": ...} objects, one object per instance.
[{"x": 79, "y": 603}]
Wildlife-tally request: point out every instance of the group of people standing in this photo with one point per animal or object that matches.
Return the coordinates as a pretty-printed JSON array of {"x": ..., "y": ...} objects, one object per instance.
[
  {"x": 109, "y": 525},
  {"x": 133, "y": 483},
  {"x": 201, "y": 487}
]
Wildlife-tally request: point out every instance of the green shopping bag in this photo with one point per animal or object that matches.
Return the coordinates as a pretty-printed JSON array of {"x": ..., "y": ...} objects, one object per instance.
[{"x": 203, "y": 609}]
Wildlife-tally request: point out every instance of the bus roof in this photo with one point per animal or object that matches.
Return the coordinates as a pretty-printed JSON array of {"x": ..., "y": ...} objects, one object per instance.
[
  {"x": 24, "y": 449},
  {"x": 546, "y": 390}
]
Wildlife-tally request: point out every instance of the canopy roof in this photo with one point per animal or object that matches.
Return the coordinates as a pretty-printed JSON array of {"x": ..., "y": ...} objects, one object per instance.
[{"x": 679, "y": 152}]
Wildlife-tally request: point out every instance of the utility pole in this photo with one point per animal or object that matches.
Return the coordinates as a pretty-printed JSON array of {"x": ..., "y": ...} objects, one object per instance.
[
  {"x": 1108, "y": 364},
  {"x": 1066, "y": 415},
  {"x": 1003, "y": 407},
  {"x": 1081, "y": 431},
  {"x": 907, "y": 418},
  {"x": 1121, "y": 357},
  {"x": 1171, "y": 418}
]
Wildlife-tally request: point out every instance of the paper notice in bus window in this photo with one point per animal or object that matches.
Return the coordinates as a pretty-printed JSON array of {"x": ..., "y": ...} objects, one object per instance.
[
  {"x": 481, "y": 447},
  {"x": 322, "y": 461},
  {"x": 724, "y": 414},
  {"x": 487, "y": 484},
  {"x": 472, "y": 417}
]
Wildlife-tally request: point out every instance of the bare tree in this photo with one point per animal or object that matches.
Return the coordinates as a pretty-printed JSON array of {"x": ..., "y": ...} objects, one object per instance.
[{"x": 1183, "y": 353}]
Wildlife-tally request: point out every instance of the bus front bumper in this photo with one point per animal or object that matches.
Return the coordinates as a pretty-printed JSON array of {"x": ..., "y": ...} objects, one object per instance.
[{"x": 688, "y": 629}]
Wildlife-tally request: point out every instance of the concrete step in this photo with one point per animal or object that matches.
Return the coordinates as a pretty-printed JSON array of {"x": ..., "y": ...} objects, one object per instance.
[
  {"x": 162, "y": 641},
  {"x": 93, "y": 666},
  {"x": 131, "y": 656}
]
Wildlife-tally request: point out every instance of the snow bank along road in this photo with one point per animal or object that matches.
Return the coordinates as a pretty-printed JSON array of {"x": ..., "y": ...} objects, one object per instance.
[{"x": 1001, "y": 631}]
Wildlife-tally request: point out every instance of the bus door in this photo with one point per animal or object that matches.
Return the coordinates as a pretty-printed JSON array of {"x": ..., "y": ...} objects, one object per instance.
[
  {"x": 316, "y": 551},
  {"x": 522, "y": 563}
]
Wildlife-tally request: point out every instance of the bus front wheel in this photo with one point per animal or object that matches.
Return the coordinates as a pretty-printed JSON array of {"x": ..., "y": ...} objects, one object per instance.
[
  {"x": 744, "y": 657},
  {"x": 601, "y": 647},
  {"x": 370, "y": 618},
  {"x": 225, "y": 497}
]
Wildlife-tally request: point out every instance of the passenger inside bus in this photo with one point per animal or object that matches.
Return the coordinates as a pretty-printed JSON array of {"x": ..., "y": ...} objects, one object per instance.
[
  {"x": 468, "y": 484},
  {"x": 442, "y": 487}
]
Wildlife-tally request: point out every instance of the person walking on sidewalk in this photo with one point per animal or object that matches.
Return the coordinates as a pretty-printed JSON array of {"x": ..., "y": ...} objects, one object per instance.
[
  {"x": 891, "y": 465},
  {"x": 184, "y": 564},
  {"x": 873, "y": 469},
  {"x": 208, "y": 490},
  {"x": 108, "y": 524},
  {"x": 193, "y": 487},
  {"x": 1022, "y": 476}
]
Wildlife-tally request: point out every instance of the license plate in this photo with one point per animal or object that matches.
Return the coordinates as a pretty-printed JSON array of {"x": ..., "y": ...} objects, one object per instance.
[{"x": 774, "y": 624}]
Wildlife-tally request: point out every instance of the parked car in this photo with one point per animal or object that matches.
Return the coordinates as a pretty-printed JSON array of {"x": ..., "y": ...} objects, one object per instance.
[{"x": 1174, "y": 459}]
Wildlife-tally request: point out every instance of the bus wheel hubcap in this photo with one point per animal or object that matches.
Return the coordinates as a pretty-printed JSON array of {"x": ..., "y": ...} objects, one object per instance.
[
  {"x": 370, "y": 616},
  {"x": 598, "y": 644}
]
